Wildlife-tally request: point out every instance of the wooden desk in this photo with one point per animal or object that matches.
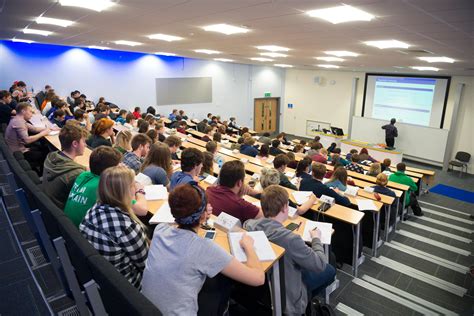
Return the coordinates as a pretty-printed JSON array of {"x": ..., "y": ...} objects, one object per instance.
[{"x": 378, "y": 153}]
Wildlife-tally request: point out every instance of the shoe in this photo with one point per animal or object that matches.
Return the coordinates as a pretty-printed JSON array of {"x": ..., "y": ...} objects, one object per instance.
[{"x": 420, "y": 214}]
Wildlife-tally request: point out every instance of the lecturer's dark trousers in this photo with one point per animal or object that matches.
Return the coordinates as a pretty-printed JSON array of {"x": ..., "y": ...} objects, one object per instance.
[{"x": 390, "y": 142}]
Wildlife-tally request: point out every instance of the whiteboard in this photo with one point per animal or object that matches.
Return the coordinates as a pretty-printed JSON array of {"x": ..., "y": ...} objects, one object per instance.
[{"x": 417, "y": 141}]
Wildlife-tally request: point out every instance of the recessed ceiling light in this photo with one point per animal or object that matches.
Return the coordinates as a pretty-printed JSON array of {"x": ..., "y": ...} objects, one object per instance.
[
  {"x": 341, "y": 14},
  {"x": 387, "y": 44},
  {"x": 165, "y": 37},
  {"x": 58, "y": 22},
  {"x": 261, "y": 59},
  {"x": 421, "y": 68},
  {"x": 341, "y": 53},
  {"x": 207, "y": 51},
  {"x": 273, "y": 48},
  {"x": 327, "y": 66},
  {"x": 274, "y": 54},
  {"x": 328, "y": 58},
  {"x": 37, "y": 32},
  {"x": 96, "y": 5},
  {"x": 399, "y": 67},
  {"x": 224, "y": 60},
  {"x": 437, "y": 59},
  {"x": 128, "y": 43},
  {"x": 283, "y": 65},
  {"x": 165, "y": 54},
  {"x": 225, "y": 29},
  {"x": 98, "y": 47},
  {"x": 19, "y": 40}
]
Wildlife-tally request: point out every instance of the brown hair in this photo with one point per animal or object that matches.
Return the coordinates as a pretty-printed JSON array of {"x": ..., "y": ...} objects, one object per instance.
[
  {"x": 159, "y": 155},
  {"x": 172, "y": 141},
  {"x": 387, "y": 162},
  {"x": 22, "y": 106},
  {"x": 184, "y": 200},
  {"x": 340, "y": 173},
  {"x": 140, "y": 139},
  {"x": 280, "y": 160},
  {"x": 211, "y": 146},
  {"x": 381, "y": 179},
  {"x": 153, "y": 134},
  {"x": 208, "y": 129},
  {"x": 103, "y": 157},
  {"x": 273, "y": 199},
  {"x": 355, "y": 158},
  {"x": 297, "y": 148},
  {"x": 70, "y": 133},
  {"x": 319, "y": 170},
  {"x": 231, "y": 172},
  {"x": 190, "y": 158},
  {"x": 130, "y": 117},
  {"x": 207, "y": 163}
]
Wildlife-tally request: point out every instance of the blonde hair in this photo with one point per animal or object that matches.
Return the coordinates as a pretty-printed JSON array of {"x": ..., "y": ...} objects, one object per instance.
[
  {"x": 246, "y": 135},
  {"x": 323, "y": 152},
  {"x": 114, "y": 189},
  {"x": 269, "y": 176},
  {"x": 375, "y": 169},
  {"x": 381, "y": 179},
  {"x": 123, "y": 140}
]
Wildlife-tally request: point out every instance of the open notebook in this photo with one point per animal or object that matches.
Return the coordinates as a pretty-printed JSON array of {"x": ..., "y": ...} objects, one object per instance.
[
  {"x": 261, "y": 245},
  {"x": 162, "y": 215},
  {"x": 155, "y": 192},
  {"x": 326, "y": 231}
]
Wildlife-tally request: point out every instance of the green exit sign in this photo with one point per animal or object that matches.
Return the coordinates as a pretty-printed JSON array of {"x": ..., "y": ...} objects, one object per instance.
[{"x": 268, "y": 94}]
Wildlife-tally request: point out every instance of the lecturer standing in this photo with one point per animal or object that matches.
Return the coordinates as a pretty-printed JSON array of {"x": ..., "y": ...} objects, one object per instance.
[{"x": 390, "y": 133}]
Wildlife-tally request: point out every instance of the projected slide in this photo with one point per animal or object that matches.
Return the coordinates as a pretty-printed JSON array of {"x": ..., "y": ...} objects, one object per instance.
[{"x": 410, "y": 100}]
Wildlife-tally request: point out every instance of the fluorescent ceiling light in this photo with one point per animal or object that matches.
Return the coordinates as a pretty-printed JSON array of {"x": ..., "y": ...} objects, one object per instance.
[
  {"x": 98, "y": 47},
  {"x": 341, "y": 53},
  {"x": 329, "y": 58},
  {"x": 224, "y": 60},
  {"x": 19, "y": 40},
  {"x": 165, "y": 54},
  {"x": 207, "y": 51},
  {"x": 283, "y": 65},
  {"x": 274, "y": 55},
  {"x": 128, "y": 43},
  {"x": 327, "y": 66},
  {"x": 341, "y": 14},
  {"x": 387, "y": 44},
  {"x": 37, "y": 32},
  {"x": 261, "y": 59},
  {"x": 421, "y": 68},
  {"x": 165, "y": 37},
  {"x": 273, "y": 48},
  {"x": 437, "y": 59},
  {"x": 225, "y": 29},
  {"x": 58, "y": 22},
  {"x": 96, "y": 5}
]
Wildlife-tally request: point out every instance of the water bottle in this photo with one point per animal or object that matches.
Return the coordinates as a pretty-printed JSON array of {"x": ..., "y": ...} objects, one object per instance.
[{"x": 220, "y": 161}]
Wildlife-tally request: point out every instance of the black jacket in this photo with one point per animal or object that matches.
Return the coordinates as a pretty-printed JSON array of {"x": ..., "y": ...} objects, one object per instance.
[{"x": 319, "y": 188}]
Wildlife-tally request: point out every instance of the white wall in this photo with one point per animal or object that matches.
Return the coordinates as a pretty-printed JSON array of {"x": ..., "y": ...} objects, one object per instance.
[
  {"x": 329, "y": 101},
  {"x": 128, "y": 79}
]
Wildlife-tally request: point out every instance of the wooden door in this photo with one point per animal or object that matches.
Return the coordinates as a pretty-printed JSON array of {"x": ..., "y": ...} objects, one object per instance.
[{"x": 266, "y": 115}]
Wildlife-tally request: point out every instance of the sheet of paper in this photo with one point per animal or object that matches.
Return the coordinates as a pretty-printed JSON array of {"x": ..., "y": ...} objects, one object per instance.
[
  {"x": 176, "y": 166},
  {"x": 301, "y": 196},
  {"x": 326, "y": 231},
  {"x": 162, "y": 215},
  {"x": 210, "y": 179},
  {"x": 292, "y": 212},
  {"x": 155, "y": 192},
  {"x": 143, "y": 179},
  {"x": 366, "y": 205},
  {"x": 257, "y": 204},
  {"x": 351, "y": 190},
  {"x": 261, "y": 245},
  {"x": 53, "y": 133},
  {"x": 290, "y": 174}
]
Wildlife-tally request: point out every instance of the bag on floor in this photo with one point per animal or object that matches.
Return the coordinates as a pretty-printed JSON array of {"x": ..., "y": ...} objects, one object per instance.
[{"x": 318, "y": 308}]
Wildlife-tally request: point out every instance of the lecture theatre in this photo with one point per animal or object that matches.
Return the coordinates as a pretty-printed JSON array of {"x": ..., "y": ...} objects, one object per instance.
[{"x": 206, "y": 157}]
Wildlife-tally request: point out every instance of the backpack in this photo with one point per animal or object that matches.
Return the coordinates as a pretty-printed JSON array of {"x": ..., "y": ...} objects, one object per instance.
[{"x": 318, "y": 308}]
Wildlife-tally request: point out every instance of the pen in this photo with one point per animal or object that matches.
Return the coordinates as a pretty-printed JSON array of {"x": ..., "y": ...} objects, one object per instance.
[{"x": 299, "y": 225}]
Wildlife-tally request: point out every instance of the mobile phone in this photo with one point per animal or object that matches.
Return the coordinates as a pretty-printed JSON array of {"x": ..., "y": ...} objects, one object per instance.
[
  {"x": 210, "y": 234},
  {"x": 292, "y": 226}
]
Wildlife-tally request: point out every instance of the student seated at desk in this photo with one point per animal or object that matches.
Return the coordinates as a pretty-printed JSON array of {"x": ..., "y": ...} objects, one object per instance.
[
  {"x": 201, "y": 126},
  {"x": 182, "y": 127},
  {"x": 207, "y": 165},
  {"x": 274, "y": 150},
  {"x": 179, "y": 260},
  {"x": 121, "y": 117},
  {"x": 354, "y": 165},
  {"x": 112, "y": 227},
  {"x": 173, "y": 114},
  {"x": 130, "y": 121},
  {"x": 137, "y": 113},
  {"x": 211, "y": 147},
  {"x": 6, "y": 111},
  {"x": 209, "y": 132},
  {"x": 364, "y": 155},
  {"x": 247, "y": 148},
  {"x": 236, "y": 146},
  {"x": 60, "y": 170},
  {"x": 227, "y": 195},
  {"x": 338, "y": 179},
  {"x": 143, "y": 127},
  {"x": 279, "y": 163},
  {"x": 374, "y": 169},
  {"x": 153, "y": 134},
  {"x": 381, "y": 188},
  {"x": 386, "y": 165},
  {"x": 173, "y": 142},
  {"x": 160, "y": 129},
  {"x": 342, "y": 160},
  {"x": 24, "y": 137},
  {"x": 320, "y": 156},
  {"x": 265, "y": 139},
  {"x": 314, "y": 149},
  {"x": 292, "y": 163},
  {"x": 271, "y": 176},
  {"x": 101, "y": 131},
  {"x": 157, "y": 164},
  {"x": 217, "y": 137},
  {"x": 351, "y": 152},
  {"x": 191, "y": 164},
  {"x": 59, "y": 118},
  {"x": 303, "y": 168},
  {"x": 410, "y": 198},
  {"x": 183, "y": 115},
  {"x": 298, "y": 149},
  {"x": 233, "y": 123},
  {"x": 176, "y": 121},
  {"x": 140, "y": 147},
  {"x": 83, "y": 194},
  {"x": 307, "y": 271},
  {"x": 316, "y": 185},
  {"x": 263, "y": 152},
  {"x": 282, "y": 138},
  {"x": 82, "y": 118},
  {"x": 122, "y": 142}
]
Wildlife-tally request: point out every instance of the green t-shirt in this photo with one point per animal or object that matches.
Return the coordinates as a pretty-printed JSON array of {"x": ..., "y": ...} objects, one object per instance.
[{"x": 82, "y": 197}]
